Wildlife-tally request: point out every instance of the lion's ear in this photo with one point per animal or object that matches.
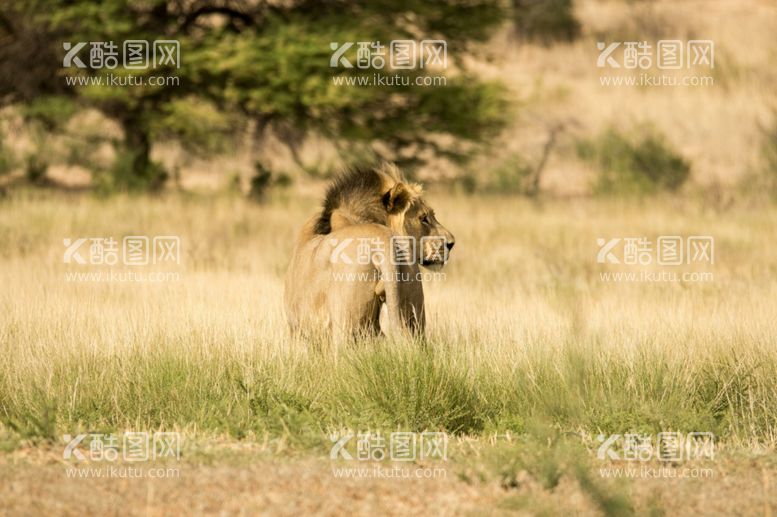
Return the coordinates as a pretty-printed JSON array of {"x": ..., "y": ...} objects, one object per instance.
[{"x": 397, "y": 199}]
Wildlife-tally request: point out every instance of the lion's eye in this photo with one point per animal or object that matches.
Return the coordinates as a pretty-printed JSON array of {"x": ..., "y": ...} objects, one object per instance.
[{"x": 425, "y": 219}]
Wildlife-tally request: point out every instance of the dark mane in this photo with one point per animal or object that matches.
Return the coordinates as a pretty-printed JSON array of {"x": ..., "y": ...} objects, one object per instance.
[{"x": 358, "y": 191}]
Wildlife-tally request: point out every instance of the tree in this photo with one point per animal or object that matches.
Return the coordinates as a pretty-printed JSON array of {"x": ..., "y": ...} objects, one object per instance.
[{"x": 266, "y": 62}]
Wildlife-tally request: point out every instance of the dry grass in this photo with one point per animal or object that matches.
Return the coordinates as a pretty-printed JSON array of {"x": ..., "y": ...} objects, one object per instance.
[
  {"x": 523, "y": 330},
  {"x": 715, "y": 127},
  {"x": 523, "y": 310}
]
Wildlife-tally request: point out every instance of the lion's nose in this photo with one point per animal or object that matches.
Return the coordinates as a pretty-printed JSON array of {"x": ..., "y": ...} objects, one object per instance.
[{"x": 449, "y": 245}]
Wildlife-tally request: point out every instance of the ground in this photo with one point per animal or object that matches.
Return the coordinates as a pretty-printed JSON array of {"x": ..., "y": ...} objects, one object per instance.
[{"x": 255, "y": 483}]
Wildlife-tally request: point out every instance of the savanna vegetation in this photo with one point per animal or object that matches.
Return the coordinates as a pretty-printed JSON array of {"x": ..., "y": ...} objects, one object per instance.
[{"x": 534, "y": 351}]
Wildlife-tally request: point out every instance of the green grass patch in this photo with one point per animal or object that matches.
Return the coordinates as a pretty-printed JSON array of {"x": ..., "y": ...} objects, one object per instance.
[{"x": 381, "y": 386}]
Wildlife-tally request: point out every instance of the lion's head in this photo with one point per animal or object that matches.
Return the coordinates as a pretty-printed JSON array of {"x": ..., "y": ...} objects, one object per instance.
[{"x": 382, "y": 195}]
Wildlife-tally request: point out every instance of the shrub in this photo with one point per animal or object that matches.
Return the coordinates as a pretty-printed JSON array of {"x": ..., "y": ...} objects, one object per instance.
[
  {"x": 510, "y": 176},
  {"x": 7, "y": 159},
  {"x": 35, "y": 167},
  {"x": 36, "y": 162},
  {"x": 122, "y": 175},
  {"x": 640, "y": 163},
  {"x": 263, "y": 180},
  {"x": 545, "y": 20},
  {"x": 52, "y": 112}
]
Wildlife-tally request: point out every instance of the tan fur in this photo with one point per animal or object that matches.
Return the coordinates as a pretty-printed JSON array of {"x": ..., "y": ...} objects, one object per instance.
[{"x": 325, "y": 294}]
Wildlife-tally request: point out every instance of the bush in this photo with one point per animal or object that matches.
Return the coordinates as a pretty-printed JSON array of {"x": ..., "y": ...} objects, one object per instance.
[
  {"x": 122, "y": 175},
  {"x": 512, "y": 176},
  {"x": 7, "y": 159},
  {"x": 642, "y": 163},
  {"x": 263, "y": 180},
  {"x": 35, "y": 167},
  {"x": 36, "y": 162},
  {"x": 545, "y": 20},
  {"x": 52, "y": 112}
]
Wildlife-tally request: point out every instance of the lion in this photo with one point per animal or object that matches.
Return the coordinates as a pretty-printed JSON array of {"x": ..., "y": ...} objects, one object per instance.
[{"x": 337, "y": 286}]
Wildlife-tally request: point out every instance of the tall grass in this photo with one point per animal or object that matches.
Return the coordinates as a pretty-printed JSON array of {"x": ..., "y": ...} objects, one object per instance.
[
  {"x": 522, "y": 329},
  {"x": 589, "y": 390}
]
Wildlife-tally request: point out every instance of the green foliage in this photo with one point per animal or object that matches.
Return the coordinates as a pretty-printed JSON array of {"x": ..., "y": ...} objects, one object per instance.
[
  {"x": 545, "y": 20},
  {"x": 263, "y": 180},
  {"x": 283, "y": 76},
  {"x": 35, "y": 167},
  {"x": 544, "y": 456},
  {"x": 80, "y": 149},
  {"x": 124, "y": 175},
  {"x": 408, "y": 386},
  {"x": 7, "y": 158},
  {"x": 271, "y": 65},
  {"x": 53, "y": 112},
  {"x": 197, "y": 124},
  {"x": 36, "y": 423},
  {"x": 511, "y": 176},
  {"x": 414, "y": 390},
  {"x": 641, "y": 163},
  {"x": 36, "y": 162}
]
